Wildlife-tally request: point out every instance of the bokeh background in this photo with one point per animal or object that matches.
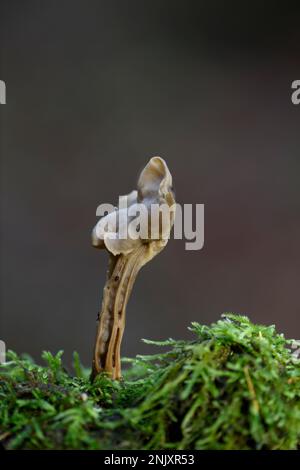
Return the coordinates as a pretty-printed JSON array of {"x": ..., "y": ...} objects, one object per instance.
[{"x": 94, "y": 89}]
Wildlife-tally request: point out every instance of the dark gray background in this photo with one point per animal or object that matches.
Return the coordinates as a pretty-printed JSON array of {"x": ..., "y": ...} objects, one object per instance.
[{"x": 94, "y": 89}]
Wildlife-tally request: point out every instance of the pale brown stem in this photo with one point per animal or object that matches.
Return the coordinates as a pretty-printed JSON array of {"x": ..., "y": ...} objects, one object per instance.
[{"x": 121, "y": 275}]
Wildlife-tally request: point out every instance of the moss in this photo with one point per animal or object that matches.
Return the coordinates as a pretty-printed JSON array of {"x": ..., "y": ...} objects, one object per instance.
[{"x": 235, "y": 386}]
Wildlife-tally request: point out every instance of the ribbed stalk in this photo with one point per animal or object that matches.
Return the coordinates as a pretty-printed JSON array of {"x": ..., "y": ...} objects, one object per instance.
[{"x": 121, "y": 275}]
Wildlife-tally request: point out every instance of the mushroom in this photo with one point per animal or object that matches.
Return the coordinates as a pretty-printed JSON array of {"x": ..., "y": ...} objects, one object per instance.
[{"x": 126, "y": 257}]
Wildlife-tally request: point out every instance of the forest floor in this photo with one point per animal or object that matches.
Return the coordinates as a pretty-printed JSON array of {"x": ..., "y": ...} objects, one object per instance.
[{"x": 236, "y": 385}]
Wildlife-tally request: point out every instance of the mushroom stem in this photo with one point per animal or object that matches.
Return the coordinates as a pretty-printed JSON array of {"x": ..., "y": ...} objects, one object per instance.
[{"x": 121, "y": 275}]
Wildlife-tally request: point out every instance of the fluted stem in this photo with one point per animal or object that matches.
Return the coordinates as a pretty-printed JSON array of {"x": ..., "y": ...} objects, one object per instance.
[{"x": 121, "y": 275}]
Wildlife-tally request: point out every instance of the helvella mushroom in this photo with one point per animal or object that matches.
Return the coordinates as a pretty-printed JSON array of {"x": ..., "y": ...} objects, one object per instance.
[{"x": 127, "y": 255}]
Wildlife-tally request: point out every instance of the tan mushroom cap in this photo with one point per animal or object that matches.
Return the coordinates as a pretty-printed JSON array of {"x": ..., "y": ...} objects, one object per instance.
[
  {"x": 155, "y": 180},
  {"x": 154, "y": 187}
]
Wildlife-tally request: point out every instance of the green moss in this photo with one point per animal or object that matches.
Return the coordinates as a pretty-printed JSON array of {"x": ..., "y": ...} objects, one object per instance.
[{"x": 235, "y": 386}]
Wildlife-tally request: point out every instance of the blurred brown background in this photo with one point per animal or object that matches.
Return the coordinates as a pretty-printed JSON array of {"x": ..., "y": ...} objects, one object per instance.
[{"x": 94, "y": 89}]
